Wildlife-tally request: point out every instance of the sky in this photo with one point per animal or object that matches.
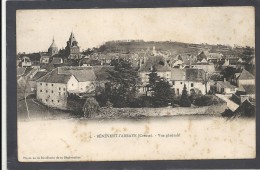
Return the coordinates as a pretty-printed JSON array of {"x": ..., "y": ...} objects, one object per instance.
[{"x": 93, "y": 27}]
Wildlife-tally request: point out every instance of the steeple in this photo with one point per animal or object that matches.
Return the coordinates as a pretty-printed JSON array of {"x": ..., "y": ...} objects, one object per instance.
[
  {"x": 53, "y": 45},
  {"x": 72, "y": 38},
  {"x": 53, "y": 49}
]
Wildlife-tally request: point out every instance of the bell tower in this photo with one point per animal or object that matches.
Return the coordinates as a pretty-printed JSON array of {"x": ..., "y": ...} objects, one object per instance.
[{"x": 72, "y": 45}]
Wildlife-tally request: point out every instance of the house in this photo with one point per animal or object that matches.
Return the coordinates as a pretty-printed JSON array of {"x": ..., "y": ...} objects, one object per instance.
[
  {"x": 159, "y": 65},
  {"x": 207, "y": 67},
  {"x": 23, "y": 79},
  {"x": 54, "y": 88},
  {"x": 45, "y": 58},
  {"x": 26, "y": 62},
  {"x": 245, "y": 92},
  {"x": 194, "y": 79},
  {"x": 225, "y": 87},
  {"x": 34, "y": 78},
  {"x": 244, "y": 78}
]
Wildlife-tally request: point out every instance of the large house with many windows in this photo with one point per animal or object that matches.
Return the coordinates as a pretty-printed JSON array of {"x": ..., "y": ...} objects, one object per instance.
[{"x": 54, "y": 88}]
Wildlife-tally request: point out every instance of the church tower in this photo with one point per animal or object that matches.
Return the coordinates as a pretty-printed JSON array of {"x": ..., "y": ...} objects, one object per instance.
[
  {"x": 53, "y": 49},
  {"x": 72, "y": 45}
]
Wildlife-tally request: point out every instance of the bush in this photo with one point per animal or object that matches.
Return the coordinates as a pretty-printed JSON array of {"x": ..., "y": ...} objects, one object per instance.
[
  {"x": 90, "y": 107},
  {"x": 207, "y": 100}
]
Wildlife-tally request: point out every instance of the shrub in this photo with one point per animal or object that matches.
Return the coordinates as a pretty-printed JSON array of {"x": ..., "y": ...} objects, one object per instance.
[
  {"x": 207, "y": 100},
  {"x": 90, "y": 107}
]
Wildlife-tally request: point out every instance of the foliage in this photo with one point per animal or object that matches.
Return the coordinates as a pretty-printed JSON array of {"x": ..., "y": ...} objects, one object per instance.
[
  {"x": 207, "y": 100},
  {"x": 163, "y": 94},
  {"x": 184, "y": 100},
  {"x": 122, "y": 85},
  {"x": 90, "y": 107}
]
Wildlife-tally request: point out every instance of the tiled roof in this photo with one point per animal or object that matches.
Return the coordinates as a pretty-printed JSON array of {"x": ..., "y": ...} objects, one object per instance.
[
  {"x": 20, "y": 71},
  {"x": 156, "y": 62},
  {"x": 189, "y": 74},
  {"x": 54, "y": 77},
  {"x": 193, "y": 74},
  {"x": 178, "y": 74},
  {"x": 245, "y": 75},
  {"x": 249, "y": 89},
  {"x": 101, "y": 72},
  {"x": 82, "y": 74},
  {"x": 38, "y": 75}
]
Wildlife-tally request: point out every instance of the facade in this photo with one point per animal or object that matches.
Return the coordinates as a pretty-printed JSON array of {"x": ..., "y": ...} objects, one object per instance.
[
  {"x": 159, "y": 65},
  {"x": 54, "y": 88},
  {"x": 194, "y": 79},
  {"x": 225, "y": 87}
]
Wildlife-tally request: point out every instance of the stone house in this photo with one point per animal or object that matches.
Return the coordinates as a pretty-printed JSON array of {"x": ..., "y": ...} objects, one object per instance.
[
  {"x": 194, "y": 79},
  {"x": 54, "y": 88}
]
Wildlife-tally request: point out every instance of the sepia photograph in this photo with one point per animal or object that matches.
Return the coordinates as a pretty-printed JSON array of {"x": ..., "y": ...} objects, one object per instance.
[{"x": 136, "y": 84}]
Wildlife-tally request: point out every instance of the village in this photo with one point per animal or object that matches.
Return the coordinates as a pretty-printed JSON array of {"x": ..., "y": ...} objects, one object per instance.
[{"x": 63, "y": 79}]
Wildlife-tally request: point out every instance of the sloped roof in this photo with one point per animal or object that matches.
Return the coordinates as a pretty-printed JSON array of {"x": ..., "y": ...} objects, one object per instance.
[
  {"x": 245, "y": 75},
  {"x": 54, "y": 77},
  {"x": 194, "y": 74},
  {"x": 178, "y": 74},
  {"x": 53, "y": 45},
  {"x": 249, "y": 89},
  {"x": 102, "y": 72},
  {"x": 246, "y": 109},
  {"x": 156, "y": 62},
  {"x": 38, "y": 75},
  {"x": 82, "y": 74},
  {"x": 20, "y": 71}
]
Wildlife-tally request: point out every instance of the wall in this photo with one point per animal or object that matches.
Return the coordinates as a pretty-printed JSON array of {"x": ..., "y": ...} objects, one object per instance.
[
  {"x": 246, "y": 82},
  {"x": 52, "y": 94},
  {"x": 198, "y": 85}
]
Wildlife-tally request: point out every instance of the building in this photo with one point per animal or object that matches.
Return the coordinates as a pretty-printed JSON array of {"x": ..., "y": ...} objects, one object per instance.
[
  {"x": 53, "y": 49},
  {"x": 157, "y": 64},
  {"x": 244, "y": 78},
  {"x": 26, "y": 62},
  {"x": 72, "y": 49},
  {"x": 225, "y": 87},
  {"x": 54, "y": 88},
  {"x": 194, "y": 79},
  {"x": 45, "y": 58}
]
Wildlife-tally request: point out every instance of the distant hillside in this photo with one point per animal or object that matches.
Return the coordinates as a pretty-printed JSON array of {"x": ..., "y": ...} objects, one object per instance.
[{"x": 173, "y": 48}]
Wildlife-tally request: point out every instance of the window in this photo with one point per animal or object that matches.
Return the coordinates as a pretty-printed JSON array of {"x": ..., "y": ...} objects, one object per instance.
[
  {"x": 52, "y": 101},
  {"x": 40, "y": 83},
  {"x": 46, "y": 100},
  {"x": 191, "y": 84},
  {"x": 46, "y": 84},
  {"x": 51, "y": 84},
  {"x": 59, "y": 93},
  {"x": 63, "y": 89},
  {"x": 181, "y": 82},
  {"x": 58, "y": 101},
  {"x": 52, "y": 91},
  {"x": 46, "y": 91},
  {"x": 59, "y": 88},
  {"x": 72, "y": 84},
  {"x": 173, "y": 82}
]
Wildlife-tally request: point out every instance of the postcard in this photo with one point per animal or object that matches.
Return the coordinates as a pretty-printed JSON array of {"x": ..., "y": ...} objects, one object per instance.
[{"x": 136, "y": 84}]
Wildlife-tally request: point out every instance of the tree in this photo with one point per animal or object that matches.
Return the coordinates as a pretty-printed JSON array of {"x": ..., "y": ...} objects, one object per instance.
[
  {"x": 90, "y": 107},
  {"x": 153, "y": 78},
  {"x": 163, "y": 94},
  {"x": 123, "y": 83},
  {"x": 184, "y": 101}
]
